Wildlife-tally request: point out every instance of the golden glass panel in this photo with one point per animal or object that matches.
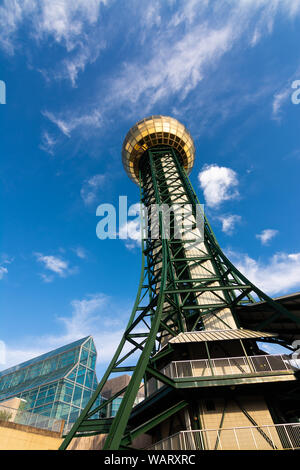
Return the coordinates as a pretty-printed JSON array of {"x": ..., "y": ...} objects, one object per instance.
[
  {"x": 135, "y": 135},
  {"x": 156, "y": 130}
]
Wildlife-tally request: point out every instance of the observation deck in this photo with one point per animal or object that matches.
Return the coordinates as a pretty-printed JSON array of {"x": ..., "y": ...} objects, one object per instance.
[{"x": 155, "y": 131}]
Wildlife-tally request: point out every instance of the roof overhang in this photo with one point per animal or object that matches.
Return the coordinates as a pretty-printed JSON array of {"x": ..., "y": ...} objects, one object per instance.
[{"x": 218, "y": 335}]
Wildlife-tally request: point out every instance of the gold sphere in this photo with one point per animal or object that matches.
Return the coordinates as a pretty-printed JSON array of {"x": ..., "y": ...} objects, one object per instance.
[{"x": 154, "y": 131}]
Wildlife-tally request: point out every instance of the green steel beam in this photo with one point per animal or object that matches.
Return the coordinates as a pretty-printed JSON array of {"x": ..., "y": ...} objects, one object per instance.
[
  {"x": 159, "y": 376},
  {"x": 164, "y": 352},
  {"x": 118, "y": 427},
  {"x": 145, "y": 427},
  {"x": 206, "y": 289},
  {"x": 88, "y": 409}
]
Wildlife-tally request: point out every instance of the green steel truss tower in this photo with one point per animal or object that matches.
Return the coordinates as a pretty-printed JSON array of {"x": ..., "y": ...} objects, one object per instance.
[{"x": 188, "y": 338}]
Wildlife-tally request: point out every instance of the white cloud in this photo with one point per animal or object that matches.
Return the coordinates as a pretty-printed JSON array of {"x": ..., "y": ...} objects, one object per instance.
[
  {"x": 179, "y": 62},
  {"x": 183, "y": 49},
  {"x": 60, "y": 123},
  {"x": 17, "y": 354},
  {"x": 266, "y": 235},
  {"x": 229, "y": 222},
  {"x": 284, "y": 95},
  {"x": 4, "y": 261},
  {"x": 69, "y": 23},
  {"x": 176, "y": 66},
  {"x": 83, "y": 316},
  {"x": 279, "y": 99},
  {"x": 12, "y": 13},
  {"x": 48, "y": 143},
  {"x": 279, "y": 275},
  {"x": 90, "y": 188},
  {"x": 63, "y": 20},
  {"x": 46, "y": 277},
  {"x": 70, "y": 123},
  {"x": 131, "y": 230},
  {"x": 95, "y": 315},
  {"x": 76, "y": 64},
  {"x": 131, "y": 233},
  {"x": 55, "y": 265},
  {"x": 219, "y": 184},
  {"x": 80, "y": 252},
  {"x": 3, "y": 271}
]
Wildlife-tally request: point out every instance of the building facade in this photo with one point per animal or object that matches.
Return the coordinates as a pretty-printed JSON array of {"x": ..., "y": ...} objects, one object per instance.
[
  {"x": 113, "y": 387},
  {"x": 57, "y": 384}
]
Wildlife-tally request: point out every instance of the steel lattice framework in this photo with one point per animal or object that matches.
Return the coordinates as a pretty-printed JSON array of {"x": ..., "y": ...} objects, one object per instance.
[{"x": 172, "y": 297}]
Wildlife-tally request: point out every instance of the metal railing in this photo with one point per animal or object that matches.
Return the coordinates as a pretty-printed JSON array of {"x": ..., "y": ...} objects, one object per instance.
[
  {"x": 224, "y": 366},
  {"x": 230, "y": 366},
  {"x": 266, "y": 437},
  {"x": 27, "y": 418}
]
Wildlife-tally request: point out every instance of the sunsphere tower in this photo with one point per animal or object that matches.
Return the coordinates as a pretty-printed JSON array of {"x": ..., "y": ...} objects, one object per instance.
[{"x": 192, "y": 336}]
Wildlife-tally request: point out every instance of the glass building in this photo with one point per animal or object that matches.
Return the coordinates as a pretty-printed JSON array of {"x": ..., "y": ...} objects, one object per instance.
[
  {"x": 56, "y": 384},
  {"x": 115, "y": 405}
]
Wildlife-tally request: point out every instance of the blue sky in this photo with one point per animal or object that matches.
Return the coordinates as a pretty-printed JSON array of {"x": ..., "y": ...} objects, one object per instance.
[{"x": 78, "y": 75}]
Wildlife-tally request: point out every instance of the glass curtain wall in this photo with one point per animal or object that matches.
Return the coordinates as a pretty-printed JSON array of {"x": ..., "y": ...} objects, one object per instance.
[{"x": 57, "y": 384}]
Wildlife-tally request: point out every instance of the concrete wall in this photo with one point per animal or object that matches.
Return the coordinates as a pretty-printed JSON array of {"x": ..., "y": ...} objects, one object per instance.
[
  {"x": 11, "y": 403},
  {"x": 234, "y": 418},
  {"x": 210, "y": 419},
  {"x": 19, "y": 437},
  {"x": 87, "y": 443},
  {"x": 97, "y": 442},
  {"x": 114, "y": 385},
  {"x": 10, "y": 407}
]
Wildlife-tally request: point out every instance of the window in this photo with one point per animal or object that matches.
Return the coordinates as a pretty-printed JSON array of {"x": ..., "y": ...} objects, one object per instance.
[
  {"x": 81, "y": 375},
  {"x": 66, "y": 393},
  {"x": 89, "y": 378},
  {"x": 72, "y": 375},
  {"x": 92, "y": 361},
  {"x": 77, "y": 396},
  {"x": 85, "y": 397}
]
